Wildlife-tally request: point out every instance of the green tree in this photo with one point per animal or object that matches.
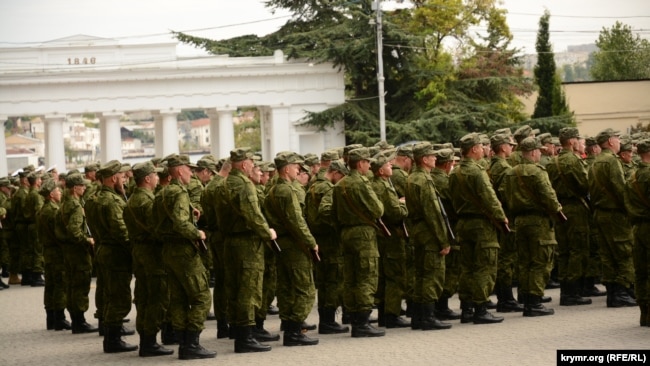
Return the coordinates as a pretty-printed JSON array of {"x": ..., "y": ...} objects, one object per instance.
[{"x": 621, "y": 55}]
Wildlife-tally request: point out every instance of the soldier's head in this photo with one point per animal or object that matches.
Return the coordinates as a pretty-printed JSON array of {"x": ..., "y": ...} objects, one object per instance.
[
  {"x": 288, "y": 165},
  {"x": 569, "y": 138},
  {"x": 643, "y": 149},
  {"x": 530, "y": 148},
  {"x": 112, "y": 174},
  {"x": 446, "y": 159},
  {"x": 90, "y": 171},
  {"x": 359, "y": 159},
  {"x": 76, "y": 184},
  {"x": 592, "y": 146},
  {"x": 626, "y": 150},
  {"x": 242, "y": 159},
  {"x": 50, "y": 190},
  {"x": 471, "y": 146},
  {"x": 180, "y": 167},
  {"x": 146, "y": 175},
  {"x": 609, "y": 139},
  {"x": 382, "y": 164},
  {"x": 424, "y": 155},
  {"x": 404, "y": 158},
  {"x": 206, "y": 169},
  {"x": 336, "y": 171},
  {"x": 34, "y": 179},
  {"x": 546, "y": 139},
  {"x": 502, "y": 145}
]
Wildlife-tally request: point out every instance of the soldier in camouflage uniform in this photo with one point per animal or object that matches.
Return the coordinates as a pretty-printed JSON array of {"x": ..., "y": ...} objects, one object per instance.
[
  {"x": 20, "y": 237},
  {"x": 356, "y": 208},
  {"x": 625, "y": 156},
  {"x": 151, "y": 295},
  {"x": 532, "y": 202},
  {"x": 295, "y": 288},
  {"x": 329, "y": 271},
  {"x": 6, "y": 232},
  {"x": 638, "y": 207},
  {"x": 479, "y": 212},
  {"x": 429, "y": 237},
  {"x": 568, "y": 175},
  {"x": 32, "y": 255},
  {"x": 546, "y": 139},
  {"x": 520, "y": 134},
  {"x": 114, "y": 255},
  {"x": 593, "y": 269},
  {"x": 607, "y": 192},
  {"x": 245, "y": 230},
  {"x": 401, "y": 168},
  {"x": 188, "y": 280},
  {"x": 55, "y": 287},
  {"x": 392, "y": 254},
  {"x": 72, "y": 231}
]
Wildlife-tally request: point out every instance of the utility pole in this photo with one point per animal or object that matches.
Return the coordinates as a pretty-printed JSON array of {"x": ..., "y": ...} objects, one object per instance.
[{"x": 380, "y": 73}]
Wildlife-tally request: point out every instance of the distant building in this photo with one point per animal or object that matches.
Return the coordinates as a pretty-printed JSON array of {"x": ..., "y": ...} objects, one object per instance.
[{"x": 200, "y": 131}]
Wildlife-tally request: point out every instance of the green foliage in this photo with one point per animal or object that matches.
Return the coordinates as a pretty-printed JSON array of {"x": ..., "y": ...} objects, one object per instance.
[
  {"x": 622, "y": 55},
  {"x": 249, "y": 133}
]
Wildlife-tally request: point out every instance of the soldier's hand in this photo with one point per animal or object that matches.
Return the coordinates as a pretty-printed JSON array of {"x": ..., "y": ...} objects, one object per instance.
[
  {"x": 274, "y": 235},
  {"x": 445, "y": 251},
  {"x": 197, "y": 214},
  {"x": 315, "y": 248},
  {"x": 202, "y": 234},
  {"x": 91, "y": 241},
  {"x": 402, "y": 199}
]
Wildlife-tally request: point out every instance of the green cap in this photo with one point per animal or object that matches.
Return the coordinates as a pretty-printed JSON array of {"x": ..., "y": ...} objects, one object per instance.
[
  {"x": 591, "y": 141},
  {"x": 111, "y": 168},
  {"x": 329, "y": 155},
  {"x": 207, "y": 163},
  {"x": 284, "y": 159},
  {"x": 606, "y": 134},
  {"x": 241, "y": 154},
  {"x": 470, "y": 140},
  {"x": 362, "y": 153},
  {"x": 545, "y": 138},
  {"x": 445, "y": 155},
  {"x": 626, "y": 145},
  {"x": 92, "y": 167},
  {"x": 498, "y": 140},
  {"x": 643, "y": 147},
  {"x": 567, "y": 133},
  {"x": 47, "y": 187},
  {"x": 5, "y": 182},
  {"x": 405, "y": 150},
  {"x": 141, "y": 170},
  {"x": 77, "y": 179},
  {"x": 178, "y": 160},
  {"x": 423, "y": 149},
  {"x": 384, "y": 145},
  {"x": 530, "y": 144},
  {"x": 382, "y": 158},
  {"x": 339, "y": 166},
  {"x": 348, "y": 148},
  {"x": 503, "y": 131},
  {"x": 311, "y": 159}
]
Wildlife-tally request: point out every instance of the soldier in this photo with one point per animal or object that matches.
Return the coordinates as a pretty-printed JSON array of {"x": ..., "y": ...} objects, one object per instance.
[
  {"x": 205, "y": 170},
  {"x": 329, "y": 271},
  {"x": 546, "y": 139},
  {"x": 392, "y": 263},
  {"x": 638, "y": 206},
  {"x": 520, "y": 134},
  {"x": 356, "y": 209},
  {"x": 445, "y": 162},
  {"x": 295, "y": 289},
  {"x": 625, "y": 156},
  {"x": 151, "y": 296},
  {"x": 20, "y": 238},
  {"x": 245, "y": 230},
  {"x": 606, "y": 189},
  {"x": 593, "y": 268},
  {"x": 428, "y": 235},
  {"x": 73, "y": 232},
  {"x": 114, "y": 255},
  {"x": 568, "y": 175},
  {"x": 55, "y": 287},
  {"x": 189, "y": 293},
  {"x": 32, "y": 254},
  {"x": 90, "y": 173},
  {"x": 502, "y": 145},
  {"x": 531, "y": 200},
  {"x": 6, "y": 232},
  {"x": 479, "y": 213}
]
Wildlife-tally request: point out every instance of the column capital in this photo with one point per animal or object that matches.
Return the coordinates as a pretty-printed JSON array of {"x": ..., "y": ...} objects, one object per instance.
[
  {"x": 111, "y": 114},
  {"x": 169, "y": 111},
  {"x": 54, "y": 116}
]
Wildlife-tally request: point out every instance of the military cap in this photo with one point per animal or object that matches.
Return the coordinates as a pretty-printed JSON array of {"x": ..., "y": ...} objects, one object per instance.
[
  {"x": 34, "y": 175},
  {"x": 545, "y": 138},
  {"x": 606, "y": 134},
  {"x": 92, "y": 167},
  {"x": 469, "y": 140},
  {"x": 207, "y": 163},
  {"x": 423, "y": 149},
  {"x": 164, "y": 173},
  {"x": 29, "y": 168},
  {"x": 503, "y": 131},
  {"x": 556, "y": 141},
  {"x": 5, "y": 182},
  {"x": 348, "y": 148},
  {"x": 591, "y": 141},
  {"x": 311, "y": 159},
  {"x": 445, "y": 155},
  {"x": 405, "y": 150},
  {"x": 156, "y": 161},
  {"x": 530, "y": 144},
  {"x": 141, "y": 170},
  {"x": 642, "y": 147},
  {"x": 568, "y": 133},
  {"x": 362, "y": 153},
  {"x": 76, "y": 179},
  {"x": 523, "y": 132},
  {"x": 47, "y": 187},
  {"x": 209, "y": 157},
  {"x": 111, "y": 168},
  {"x": 485, "y": 140},
  {"x": 267, "y": 166},
  {"x": 373, "y": 150},
  {"x": 241, "y": 154},
  {"x": 339, "y": 166},
  {"x": 626, "y": 145},
  {"x": 384, "y": 145},
  {"x": 329, "y": 155},
  {"x": 500, "y": 139},
  {"x": 74, "y": 171},
  {"x": 284, "y": 159},
  {"x": 382, "y": 158},
  {"x": 178, "y": 160}
]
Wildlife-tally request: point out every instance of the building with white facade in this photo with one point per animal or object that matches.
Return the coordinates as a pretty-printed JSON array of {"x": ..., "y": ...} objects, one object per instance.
[{"x": 83, "y": 74}]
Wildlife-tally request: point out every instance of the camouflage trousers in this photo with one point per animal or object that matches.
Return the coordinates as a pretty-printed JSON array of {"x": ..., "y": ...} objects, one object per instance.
[
  {"x": 115, "y": 264},
  {"x": 78, "y": 268},
  {"x": 479, "y": 253},
  {"x": 616, "y": 247},
  {"x": 573, "y": 242},
  {"x": 244, "y": 273},
  {"x": 536, "y": 246},
  {"x": 151, "y": 293},
  {"x": 392, "y": 273},
  {"x": 641, "y": 256},
  {"x": 295, "y": 288}
]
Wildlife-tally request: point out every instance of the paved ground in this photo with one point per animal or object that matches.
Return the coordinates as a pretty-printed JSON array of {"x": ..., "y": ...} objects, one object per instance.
[{"x": 516, "y": 341}]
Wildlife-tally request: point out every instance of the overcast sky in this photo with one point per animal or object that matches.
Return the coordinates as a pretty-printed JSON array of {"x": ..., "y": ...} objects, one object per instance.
[{"x": 29, "y": 22}]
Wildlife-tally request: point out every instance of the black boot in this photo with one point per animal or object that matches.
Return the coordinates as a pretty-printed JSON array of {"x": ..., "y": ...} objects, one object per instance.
[
  {"x": 571, "y": 295},
  {"x": 620, "y": 297},
  {"x": 443, "y": 312},
  {"x": 533, "y": 306},
  {"x": 37, "y": 280},
  {"x": 381, "y": 316},
  {"x": 126, "y": 331},
  {"x": 223, "y": 329},
  {"x": 167, "y": 335},
  {"x": 261, "y": 334},
  {"x": 49, "y": 319},
  {"x": 244, "y": 341},
  {"x": 303, "y": 326},
  {"x": 293, "y": 335},
  {"x": 191, "y": 349},
  {"x": 416, "y": 315},
  {"x": 273, "y": 310},
  {"x": 467, "y": 312},
  {"x": 79, "y": 324},
  {"x": 645, "y": 317},
  {"x": 327, "y": 322},
  {"x": 3, "y": 284},
  {"x": 589, "y": 288},
  {"x": 361, "y": 326},
  {"x": 345, "y": 317},
  {"x": 26, "y": 280},
  {"x": 507, "y": 302},
  {"x": 60, "y": 322},
  {"x": 113, "y": 342},
  {"x": 482, "y": 316},
  {"x": 429, "y": 320},
  {"x": 150, "y": 348},
  {"x": 396, "y": 321}
]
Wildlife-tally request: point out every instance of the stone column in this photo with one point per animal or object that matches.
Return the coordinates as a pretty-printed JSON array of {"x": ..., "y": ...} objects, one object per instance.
[
  {"x": 214, "y": 133},
  {"x": 54, "y": 146},
  {"x": 226, "y": 131},
  {"x": 111, "y": 137},
  {"x": 3, "y": 150},
  {"x": 168, "y": 140},
  {"x": 280, "y": 130}
]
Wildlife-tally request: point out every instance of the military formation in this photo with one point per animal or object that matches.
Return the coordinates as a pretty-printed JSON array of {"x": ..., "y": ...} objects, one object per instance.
[{"x": 397, "y": 229}]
